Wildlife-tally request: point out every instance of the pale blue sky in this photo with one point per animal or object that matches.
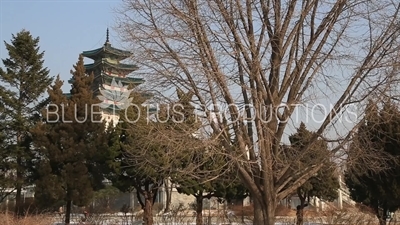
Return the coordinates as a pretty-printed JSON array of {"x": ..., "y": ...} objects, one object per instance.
[{"x": 65, "y": 27}]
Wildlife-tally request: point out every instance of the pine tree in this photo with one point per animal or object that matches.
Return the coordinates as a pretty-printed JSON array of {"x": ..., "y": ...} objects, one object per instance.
[
  {"x": 211, "y": 175},
  {"x": 226, "y": 187},
  {"x": 325, "y": 183},
  {"x": 147, "y": 152},
  {"x": 379, "y": 136},
  {"x": 6, "y": 183},
  {"x": 23, "y": 83},
  {"x": 71, "y": 142},
  {"x": 199, "y": 185},
  {"x": 202, "y": 162},
  {"x": 132, "y": 156}
]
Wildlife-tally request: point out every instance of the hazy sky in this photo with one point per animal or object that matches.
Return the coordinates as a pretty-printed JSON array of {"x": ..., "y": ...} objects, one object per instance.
[{"x": 65, "y": 27}]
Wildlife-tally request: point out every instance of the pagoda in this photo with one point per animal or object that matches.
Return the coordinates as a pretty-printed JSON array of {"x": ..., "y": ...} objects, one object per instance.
[{"x": 112, "y": 82}]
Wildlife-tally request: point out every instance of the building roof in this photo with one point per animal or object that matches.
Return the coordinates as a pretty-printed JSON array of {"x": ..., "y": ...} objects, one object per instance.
[
  {"x": 124, "y": 80},
  {"x": 105, "y": 51},
  {"x": 109, "y": 63}
]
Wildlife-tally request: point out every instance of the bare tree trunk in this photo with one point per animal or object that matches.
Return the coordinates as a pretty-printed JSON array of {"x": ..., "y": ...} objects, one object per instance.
[
  {"x": 68, "y": 212},
  {"x": 382, "y": 221},
  {"x": 270, "y": 214},
  {"x": 19, "y": 178},
  {"x": 199, "y": 209},
  {"x": 242, "y": 217},
  {"x": 18, "y": 197},
  {"x": 258, "y": 213},
  {"x": 168, "y": 192},
  {"x": 264, "y": 215},
  {"x": 148, "y": 208},
  {"x": 381, "y": 214},
  {"x": 300, "y": 211}
]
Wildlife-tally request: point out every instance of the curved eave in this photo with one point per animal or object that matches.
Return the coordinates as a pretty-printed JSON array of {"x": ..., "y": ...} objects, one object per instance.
[
  {"x": 106, "y": 49},
  {"x": 126, "y": 80},
  {"x": 93, "y": 53},
  {"x": 120, "y": 66}
]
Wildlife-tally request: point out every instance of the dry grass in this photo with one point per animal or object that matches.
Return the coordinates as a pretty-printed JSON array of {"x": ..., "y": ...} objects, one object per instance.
[
  {"x": 181, "y": 215},
  {"x": 347, "y": 216},
  {"x": 8, "y": 219}
]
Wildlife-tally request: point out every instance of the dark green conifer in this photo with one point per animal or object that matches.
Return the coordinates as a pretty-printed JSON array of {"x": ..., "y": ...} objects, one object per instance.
[
  {"x": 71, "y": 142},
  {"x": 208, "y": 174},
  {"x": 325, "y": 183},
  {"x": 376, "y": 183},
  {"x": 134, "y": 159},
  {"x": 23, "y": 81}
]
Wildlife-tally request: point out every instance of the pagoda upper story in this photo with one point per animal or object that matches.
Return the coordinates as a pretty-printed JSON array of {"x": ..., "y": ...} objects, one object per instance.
[
  {"x": 111, "y": 77},
  {"x": 107, "y": 51},
  {"x": 107, "y": 66}
]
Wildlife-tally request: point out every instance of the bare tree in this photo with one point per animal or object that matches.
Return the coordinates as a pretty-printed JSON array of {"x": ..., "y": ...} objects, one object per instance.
[{"x": 253, "y": 63}]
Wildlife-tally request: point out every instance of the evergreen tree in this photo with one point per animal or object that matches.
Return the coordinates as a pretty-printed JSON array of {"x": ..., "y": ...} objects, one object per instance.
[
  {"x": 71, "y": 143},
  {"x": 203, "y": 163},
  {"x": 6, "y": 182},
  {"x": 132, "y": 155},
  {"x": 379, "y": 136},
  {"x": 104, "y": 198},
  {"x": 210, "y": 176},
  {"x": 199, "y": 187},
  {"x": 226, "y": 187},
  {"x": 148, "y": 151},
  {"x": 325, "y": 183},
  {"x": 23, "y": 83}
]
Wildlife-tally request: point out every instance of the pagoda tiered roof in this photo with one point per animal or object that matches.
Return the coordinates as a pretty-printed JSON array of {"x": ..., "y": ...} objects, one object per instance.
[
  {"x": 125, "y": 80},
  {"x": 107, "y": 51},
  {"x": 111, "y": 76},
  {"x": 106, "y": 62}
]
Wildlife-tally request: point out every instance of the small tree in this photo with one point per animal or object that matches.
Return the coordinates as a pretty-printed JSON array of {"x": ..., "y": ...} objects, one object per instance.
[
  {"x": 224, "y": 189},
  {"x": 379, "y": 136},
  {"x": 325, "y": 183},
  {"x": 23, "y": 84},
  {"x": 200, "y": 187},
  {"x": 149, "y": 149},
  {"x": 104, "y": 198},
  {"x": 211, "y": 176},
  {"x": 70, "y": 144},
  {"x": 131, "y": 157}
]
